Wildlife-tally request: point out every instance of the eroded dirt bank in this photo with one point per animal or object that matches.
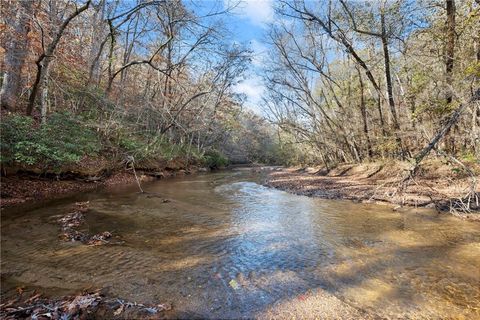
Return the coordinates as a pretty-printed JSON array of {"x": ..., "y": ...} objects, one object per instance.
[
  {"x": 435, "y": 186},
  {"x": 22, "y": 188}
]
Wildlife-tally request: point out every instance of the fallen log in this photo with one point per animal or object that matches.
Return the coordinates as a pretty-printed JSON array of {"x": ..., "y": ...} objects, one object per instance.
[{"x": 472, "y": 196}]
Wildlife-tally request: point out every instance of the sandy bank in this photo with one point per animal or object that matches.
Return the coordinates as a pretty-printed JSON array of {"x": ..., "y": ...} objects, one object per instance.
[{"x": 435, "y": 186}]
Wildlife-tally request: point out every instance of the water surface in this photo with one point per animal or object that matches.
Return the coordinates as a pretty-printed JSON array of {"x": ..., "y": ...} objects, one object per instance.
[{"x": 281, "y": 250}]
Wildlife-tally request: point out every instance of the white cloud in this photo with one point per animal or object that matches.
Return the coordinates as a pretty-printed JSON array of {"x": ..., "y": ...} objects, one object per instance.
[
  {"x": 259, "y": 12},
  {"x": 253, "y": 88},
  {"x": 259, "y": 52}
]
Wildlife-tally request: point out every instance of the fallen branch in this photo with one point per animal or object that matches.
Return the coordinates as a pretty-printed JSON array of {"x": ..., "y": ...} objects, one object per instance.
[
  {"x": 82, "y": 306},
  {"x": 443, "y": 131},
  {"x": 448, "y": 124},
  {"x": 130, "y": 160}
]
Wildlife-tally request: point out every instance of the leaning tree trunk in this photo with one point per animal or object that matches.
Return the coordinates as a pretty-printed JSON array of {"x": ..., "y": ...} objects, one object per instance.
[
  {"x": 448, "y": 124},
  {"x": 43, "y": 62}
]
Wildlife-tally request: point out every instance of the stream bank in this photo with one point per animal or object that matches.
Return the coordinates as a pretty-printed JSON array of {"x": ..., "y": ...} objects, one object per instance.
[
  {"x": 28, "y": 187},
  {"x": 435, "y": 186},
  {"x": 224, "y": 246}
]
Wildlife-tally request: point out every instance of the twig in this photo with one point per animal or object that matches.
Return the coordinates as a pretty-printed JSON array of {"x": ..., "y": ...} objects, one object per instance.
[
  {"x": 131, "y": 160},
  {"x": 471, "y": 194}
]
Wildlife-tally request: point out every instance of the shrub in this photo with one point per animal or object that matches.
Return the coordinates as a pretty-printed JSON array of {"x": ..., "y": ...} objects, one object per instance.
[
  {"x": 16, "y": 135},
  {"x": 132, "y": 146},
  {"x": 214, "y": 159},
  {"x": 62, "y": 140}
]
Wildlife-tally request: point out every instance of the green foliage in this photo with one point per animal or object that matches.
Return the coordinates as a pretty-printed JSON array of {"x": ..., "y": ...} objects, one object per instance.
[
  {"x": 457, "y": 170},
  {"x": 62, "y": 140},
  {"x": 470, "y": 157},
  {"x": 473, "y": 69},
  {"x": 289, "y": 155},
  {"x": 65, "y": 139},
  {"x": 419, "y": 82},
  {"x": 16, "y": 132},
  {"x": 215, "y": 159},
  {"x": 134, "y": 146}
]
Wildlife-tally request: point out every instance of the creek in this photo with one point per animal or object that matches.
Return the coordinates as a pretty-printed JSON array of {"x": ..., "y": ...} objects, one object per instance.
[{"x": 225, "y": 246}]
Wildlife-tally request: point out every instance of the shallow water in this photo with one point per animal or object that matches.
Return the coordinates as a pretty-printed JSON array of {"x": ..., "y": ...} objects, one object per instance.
[{"x": 278, "y": 247}]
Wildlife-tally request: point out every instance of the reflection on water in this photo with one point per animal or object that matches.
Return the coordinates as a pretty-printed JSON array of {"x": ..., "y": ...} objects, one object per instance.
[{"x": 275, "y": 245}]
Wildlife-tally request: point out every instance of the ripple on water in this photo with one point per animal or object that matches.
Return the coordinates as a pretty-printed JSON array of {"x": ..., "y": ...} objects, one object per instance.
[{"x": 289, "y": 255}]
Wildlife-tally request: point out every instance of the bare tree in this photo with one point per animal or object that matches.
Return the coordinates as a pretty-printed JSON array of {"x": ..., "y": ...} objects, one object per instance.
[
  {"x": 44, "y": 60},
  {"x": 18, "y": 18},
  {"x": 450, "y": 46}
]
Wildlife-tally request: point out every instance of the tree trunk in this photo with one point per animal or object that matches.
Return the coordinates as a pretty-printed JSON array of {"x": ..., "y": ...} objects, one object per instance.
[
  {"x": 389, "y": 83},
  {"x": 388, "y": 76},
  {"x": 43, "y": 62},
  {"x": 450, "y": 47},
  {"x": 449, "y": 59},
  {"x": 16, "y": 49},
  {"x": 363, "y": 110},
  {"x": 44, "y": 97},
  {"x": 97, "y": 43}
]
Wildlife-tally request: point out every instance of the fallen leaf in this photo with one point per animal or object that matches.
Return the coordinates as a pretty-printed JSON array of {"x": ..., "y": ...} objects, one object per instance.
[
  {"x": 234, "y": 284},
  {"x": 165, "y": 306},
  {"x": 35, "y": 297},
  {"x": 118, "y": 311}
]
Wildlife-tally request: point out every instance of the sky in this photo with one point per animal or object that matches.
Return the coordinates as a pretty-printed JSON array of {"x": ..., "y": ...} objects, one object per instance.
[{"x": 248, "y": 24}]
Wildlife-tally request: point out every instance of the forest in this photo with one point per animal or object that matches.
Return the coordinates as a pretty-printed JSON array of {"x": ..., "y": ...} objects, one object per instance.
[
  {"x": 345, "y": 82},
  {"x": 153, "y": 84},
  {"x": 148, "y": 81},
  {"x": 232, "y": 159},
  {"x": 368, "y": 80}
]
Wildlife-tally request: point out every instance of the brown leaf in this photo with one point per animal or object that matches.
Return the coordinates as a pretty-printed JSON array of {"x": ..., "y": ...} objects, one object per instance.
[
  {"x": 34, "y": 297},
  {"x": 119, "y": 310}
]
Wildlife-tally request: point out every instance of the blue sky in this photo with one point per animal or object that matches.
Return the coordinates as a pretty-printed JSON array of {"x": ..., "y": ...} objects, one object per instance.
[{"x": 248, "y": 24}]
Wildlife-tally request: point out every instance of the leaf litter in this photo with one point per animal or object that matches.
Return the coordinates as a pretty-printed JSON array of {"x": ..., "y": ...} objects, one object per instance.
[
  {"x": 87, "y": 305},
  {"x": 73, "y": 220}
]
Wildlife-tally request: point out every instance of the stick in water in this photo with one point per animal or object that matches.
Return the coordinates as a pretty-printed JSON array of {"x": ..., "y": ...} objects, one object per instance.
[{"x": 131, "y": 160}]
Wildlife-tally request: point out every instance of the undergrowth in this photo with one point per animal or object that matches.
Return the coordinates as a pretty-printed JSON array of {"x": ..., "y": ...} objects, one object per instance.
[{"x": 67, "y": 138}]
